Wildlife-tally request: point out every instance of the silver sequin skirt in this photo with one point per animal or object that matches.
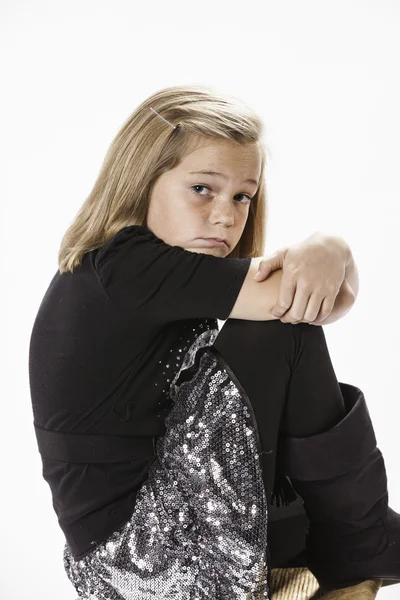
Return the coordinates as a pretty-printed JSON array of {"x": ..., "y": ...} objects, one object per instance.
[{"x": 198, "y": 530}]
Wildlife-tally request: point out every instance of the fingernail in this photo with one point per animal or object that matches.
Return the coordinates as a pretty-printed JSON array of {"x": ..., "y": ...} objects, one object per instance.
[{"x": 256, "y": 275}]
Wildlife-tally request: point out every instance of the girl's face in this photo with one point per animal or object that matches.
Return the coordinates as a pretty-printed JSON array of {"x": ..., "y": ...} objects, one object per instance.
[{"x": 185, "y": 207}]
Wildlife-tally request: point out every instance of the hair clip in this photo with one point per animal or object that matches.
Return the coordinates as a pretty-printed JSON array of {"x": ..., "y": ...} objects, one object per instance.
[{"x": 174, "y": 126}]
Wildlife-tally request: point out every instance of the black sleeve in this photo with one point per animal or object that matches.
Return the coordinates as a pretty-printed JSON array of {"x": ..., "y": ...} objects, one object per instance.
[{"x": 140, "y": 272}]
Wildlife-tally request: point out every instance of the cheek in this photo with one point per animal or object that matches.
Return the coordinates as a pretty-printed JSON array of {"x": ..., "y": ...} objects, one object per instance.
[{"x": 192, "y": 207}]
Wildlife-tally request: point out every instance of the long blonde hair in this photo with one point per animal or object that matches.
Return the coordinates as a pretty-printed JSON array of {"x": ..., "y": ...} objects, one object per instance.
[{"x": 144, "y": 148}]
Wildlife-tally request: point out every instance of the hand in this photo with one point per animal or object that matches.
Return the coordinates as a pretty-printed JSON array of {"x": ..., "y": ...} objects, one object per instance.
[{"x": 312, "y": 272}]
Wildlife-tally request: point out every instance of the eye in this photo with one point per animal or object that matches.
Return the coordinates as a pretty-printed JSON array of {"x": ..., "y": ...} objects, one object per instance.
[{"x": 207, "y": 188}]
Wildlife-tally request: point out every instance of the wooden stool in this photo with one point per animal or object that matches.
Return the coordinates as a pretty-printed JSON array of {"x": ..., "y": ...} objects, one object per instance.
[{"x": 300, "y": 584}]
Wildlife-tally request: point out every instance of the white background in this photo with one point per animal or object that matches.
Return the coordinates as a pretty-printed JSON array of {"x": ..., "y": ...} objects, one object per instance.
[{"x": 323, "y": 76}]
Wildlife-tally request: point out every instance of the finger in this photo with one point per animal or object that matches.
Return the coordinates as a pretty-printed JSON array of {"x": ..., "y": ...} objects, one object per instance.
[
  {"x": 266, "y": 266},
  {"x": 314, "y": 311},
  {"x": 287, "y": 291},
  {"x": 299, "y": 306},
  {"x": 316, "y": 308},
  {"x": 325, "y": 310}
]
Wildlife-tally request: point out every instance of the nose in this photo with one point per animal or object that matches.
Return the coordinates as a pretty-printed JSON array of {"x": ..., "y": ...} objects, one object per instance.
[{"x": 222, "y": 212}]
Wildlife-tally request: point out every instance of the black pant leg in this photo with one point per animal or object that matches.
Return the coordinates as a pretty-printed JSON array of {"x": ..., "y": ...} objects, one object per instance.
[
  {"x": 259, "y": 353},
  {"x": 288, "y": 375}
]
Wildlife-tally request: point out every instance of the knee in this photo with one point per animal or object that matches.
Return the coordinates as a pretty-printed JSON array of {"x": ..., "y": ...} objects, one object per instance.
[
  {"x": 273, "y": 327},
  {"x": 250, "y": 335}
]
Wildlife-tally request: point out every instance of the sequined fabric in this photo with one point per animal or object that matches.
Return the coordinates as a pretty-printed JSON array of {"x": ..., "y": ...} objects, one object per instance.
[{"x": 198, "y": 529}]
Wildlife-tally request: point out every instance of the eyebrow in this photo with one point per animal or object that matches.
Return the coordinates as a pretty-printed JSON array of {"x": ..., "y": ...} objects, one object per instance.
[{"x": 212, "y": 173}]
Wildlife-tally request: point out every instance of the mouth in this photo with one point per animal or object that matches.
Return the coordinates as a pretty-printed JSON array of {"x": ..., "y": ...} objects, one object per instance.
[{"x": 218, "y": 241}]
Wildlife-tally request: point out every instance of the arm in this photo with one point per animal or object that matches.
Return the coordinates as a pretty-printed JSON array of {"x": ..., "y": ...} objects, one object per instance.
[
  {"x": 322, "y": 264},
  {"x": 256, "y": 299}
]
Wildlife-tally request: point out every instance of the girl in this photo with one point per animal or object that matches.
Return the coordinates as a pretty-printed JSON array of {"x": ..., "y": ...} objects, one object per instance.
[{"x": 166, "y": 442}]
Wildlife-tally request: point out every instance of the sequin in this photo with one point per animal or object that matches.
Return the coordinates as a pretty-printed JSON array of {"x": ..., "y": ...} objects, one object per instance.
[
  {"x": 199, "y": 526},
  {"x": 172, "y": 364}
]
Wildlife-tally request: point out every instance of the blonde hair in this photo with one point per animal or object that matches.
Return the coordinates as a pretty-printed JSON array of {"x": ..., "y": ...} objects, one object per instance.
[{"x": 144, "y": 148}]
